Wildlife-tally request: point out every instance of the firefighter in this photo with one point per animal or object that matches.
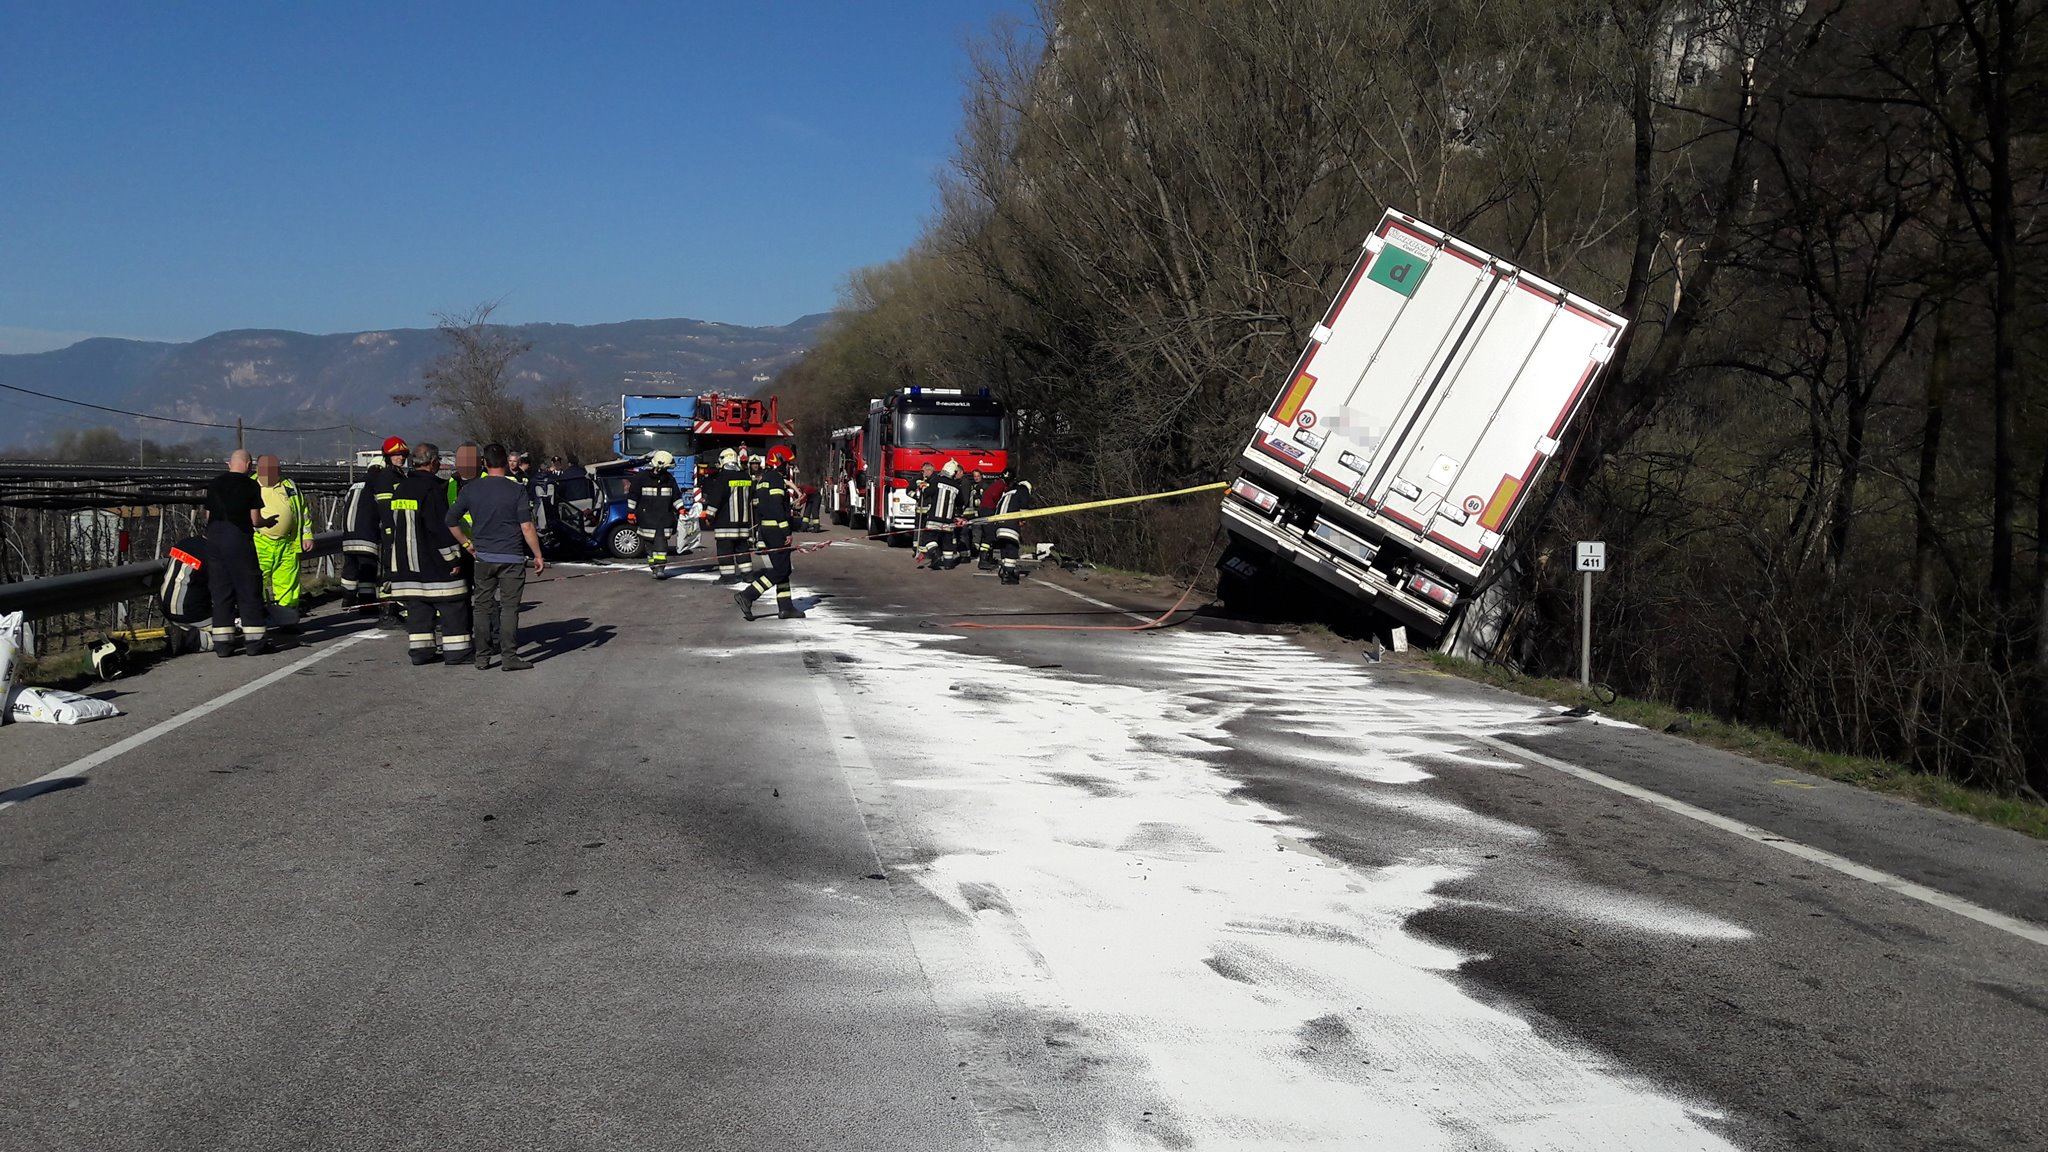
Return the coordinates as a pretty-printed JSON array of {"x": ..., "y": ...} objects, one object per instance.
[
  {"x": 234, "y": 511},
  {"x": 286, "y": 533},
  {"x": 423, "y": 565},
  {"x": 947, "y": 502},
  {"x": 1009, "y": 543},
  {"x": 984, "y": 532},
  {"x": 651, "y": 508},
  {"x": 921, "y": 497},
  {"x": 363, "y": 541},
  {"x": 772, "y": 536},
  {"x": 729, "y": 494}
]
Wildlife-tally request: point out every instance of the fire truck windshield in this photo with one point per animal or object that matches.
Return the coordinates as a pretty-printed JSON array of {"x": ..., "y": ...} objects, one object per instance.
[{"x": 983, "y": 430}]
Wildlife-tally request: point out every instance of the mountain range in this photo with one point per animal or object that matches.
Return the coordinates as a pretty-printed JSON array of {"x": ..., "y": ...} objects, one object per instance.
[{"x": 296, "y": 380}]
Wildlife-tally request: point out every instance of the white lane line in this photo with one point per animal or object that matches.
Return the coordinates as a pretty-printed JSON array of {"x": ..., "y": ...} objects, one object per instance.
[
  {"x": 84, "y": 764},
  {"x": 971, "y": 1006},
  {"x": 1897, "y": 884},
  {"x": 1091, "y": 600}
]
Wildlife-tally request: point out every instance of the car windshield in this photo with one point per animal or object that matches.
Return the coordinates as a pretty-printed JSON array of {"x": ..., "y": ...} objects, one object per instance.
[
  {"x": 641, "y": 441},
  {"x": 950, "y": 430}
]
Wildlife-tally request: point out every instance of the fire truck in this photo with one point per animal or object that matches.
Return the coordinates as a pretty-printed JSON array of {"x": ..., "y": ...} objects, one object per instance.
[
  {"x": 845, "y": 493},
  {"x": 752, "y": 423},
  {"x": 912, "y": 427}
]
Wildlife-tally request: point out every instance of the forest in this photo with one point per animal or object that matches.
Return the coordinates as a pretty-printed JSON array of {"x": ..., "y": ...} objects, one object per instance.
[{"x": 1820, "y": 459}]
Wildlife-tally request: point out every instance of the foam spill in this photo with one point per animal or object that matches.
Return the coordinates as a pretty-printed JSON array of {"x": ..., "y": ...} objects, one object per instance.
[{"x": 1115, "y": 875}]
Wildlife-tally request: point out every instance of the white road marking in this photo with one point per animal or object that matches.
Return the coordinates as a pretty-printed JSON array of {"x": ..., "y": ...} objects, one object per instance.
[
  {"x": 1091, "y": 600},
  {"x": 1897, "y": 884},
  {"x": 84, "y": 764}
]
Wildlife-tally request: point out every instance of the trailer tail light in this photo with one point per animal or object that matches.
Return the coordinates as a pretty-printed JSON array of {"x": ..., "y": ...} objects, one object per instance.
[
  {"x": 1254, "y": 495},
  {"x": 1429, "y": 589},
  {"x": 1344, "y": 542}
]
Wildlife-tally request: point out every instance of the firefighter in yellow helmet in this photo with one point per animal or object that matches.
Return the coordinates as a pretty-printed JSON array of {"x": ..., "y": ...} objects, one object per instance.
[
  {"x": 729, "y": 493},
  {"x": 651, "y": 509}
]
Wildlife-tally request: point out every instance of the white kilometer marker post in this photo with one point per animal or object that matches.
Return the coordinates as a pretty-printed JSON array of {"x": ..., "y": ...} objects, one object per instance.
[{"x": 1592, "y": 558}]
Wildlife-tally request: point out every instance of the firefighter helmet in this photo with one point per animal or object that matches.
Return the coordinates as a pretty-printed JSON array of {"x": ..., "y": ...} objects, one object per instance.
[
  {"x": 952, "y": 468},
  {"x": 393, "y": 445},
  {"x": 780, "y": 454},
  {"x": 661, "y": 459},
  {"x": 729, "y": 458}
]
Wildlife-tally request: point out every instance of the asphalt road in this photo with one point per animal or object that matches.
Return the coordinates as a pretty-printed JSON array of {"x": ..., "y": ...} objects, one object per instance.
[{"x": 877, "y": 880}]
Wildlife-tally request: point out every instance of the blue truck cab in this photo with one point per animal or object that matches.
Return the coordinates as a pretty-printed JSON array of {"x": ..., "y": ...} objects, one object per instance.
[{"x": 648, "y": 422}]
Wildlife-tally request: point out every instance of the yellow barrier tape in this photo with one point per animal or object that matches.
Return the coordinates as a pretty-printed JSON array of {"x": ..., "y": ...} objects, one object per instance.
[{"x": 1034, "y": 513}]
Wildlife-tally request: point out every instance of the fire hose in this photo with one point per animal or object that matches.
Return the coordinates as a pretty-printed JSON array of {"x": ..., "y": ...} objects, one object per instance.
[{"x": 1009, "y": 517}]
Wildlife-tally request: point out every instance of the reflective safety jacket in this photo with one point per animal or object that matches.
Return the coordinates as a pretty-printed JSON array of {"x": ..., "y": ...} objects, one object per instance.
[
  {"x": 651, "y": 499},
  {"x": 947, "y": 501},
  {"x": 184, "y": 593},
  {"x": 283, "y": 502},
  {"x": 771, "y": 508},
  {"x": 363, "y": 533},
  {"x": 1015, "y": 499},
  {"x": 421, "y": 560},
  {"x": 730, "y": 496}
]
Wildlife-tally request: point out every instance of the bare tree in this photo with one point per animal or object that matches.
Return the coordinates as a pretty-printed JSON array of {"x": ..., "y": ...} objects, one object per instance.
[{"x": 471, "y": 380}]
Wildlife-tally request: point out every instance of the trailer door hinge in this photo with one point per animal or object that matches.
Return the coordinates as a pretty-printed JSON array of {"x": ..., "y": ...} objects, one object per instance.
[
  {"x": 1546, "y": 445},
  {"x": 1320, "y": 334},
  {"x": 1602, "y": 353}
]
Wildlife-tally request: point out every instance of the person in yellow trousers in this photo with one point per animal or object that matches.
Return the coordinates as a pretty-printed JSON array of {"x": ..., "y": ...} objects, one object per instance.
[{"x": 286, "y": 535}]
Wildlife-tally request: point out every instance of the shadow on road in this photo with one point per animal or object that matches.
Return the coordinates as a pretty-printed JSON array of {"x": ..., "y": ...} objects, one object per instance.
[
  {"x": 24, "y": 792},
  {"x": 561, "y": 637}
]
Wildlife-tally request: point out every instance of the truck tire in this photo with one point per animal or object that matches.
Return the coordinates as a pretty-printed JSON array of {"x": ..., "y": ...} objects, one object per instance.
[{"x": 624, "y": 543}]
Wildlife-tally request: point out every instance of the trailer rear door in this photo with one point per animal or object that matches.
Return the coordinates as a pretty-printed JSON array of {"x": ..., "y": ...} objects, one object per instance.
[{"x": 1434, "y": 391}]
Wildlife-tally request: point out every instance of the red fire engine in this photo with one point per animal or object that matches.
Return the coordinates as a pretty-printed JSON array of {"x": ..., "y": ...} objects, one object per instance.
[
  {"x": 749, "y": 422},
  {"x": 912, "y": 427},
  {"x": 846, "y": 495}
]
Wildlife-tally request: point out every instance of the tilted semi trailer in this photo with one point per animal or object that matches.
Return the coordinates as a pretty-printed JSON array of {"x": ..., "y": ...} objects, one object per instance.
[{"x": 1413, "y": 428}]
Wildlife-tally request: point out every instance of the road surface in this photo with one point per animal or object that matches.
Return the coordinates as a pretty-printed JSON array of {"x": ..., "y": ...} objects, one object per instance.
[{"x": 875, "y": 880}]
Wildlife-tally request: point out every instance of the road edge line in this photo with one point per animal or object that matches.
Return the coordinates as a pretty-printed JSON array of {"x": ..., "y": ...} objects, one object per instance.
[
  {"x": 1090, "y": 599},
  {"x": 122, "y": 747},
  {"x": 2012, "y": 925}
]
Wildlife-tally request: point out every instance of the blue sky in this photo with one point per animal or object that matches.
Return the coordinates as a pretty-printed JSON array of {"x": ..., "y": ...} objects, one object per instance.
[{"x": 167, "y": 171}]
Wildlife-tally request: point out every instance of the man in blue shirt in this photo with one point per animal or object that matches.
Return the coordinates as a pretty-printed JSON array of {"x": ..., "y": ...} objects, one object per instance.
[{"x": 499, "y": 534}]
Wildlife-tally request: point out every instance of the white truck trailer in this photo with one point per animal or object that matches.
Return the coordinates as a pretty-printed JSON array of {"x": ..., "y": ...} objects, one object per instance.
[{"x": 1413, "y": 428}]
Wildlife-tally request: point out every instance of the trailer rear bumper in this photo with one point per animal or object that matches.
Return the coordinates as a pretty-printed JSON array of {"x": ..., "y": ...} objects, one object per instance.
[{"x": 1291, "y": 550}]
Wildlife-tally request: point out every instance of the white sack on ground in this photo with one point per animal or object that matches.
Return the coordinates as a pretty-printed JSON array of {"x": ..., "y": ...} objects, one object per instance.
[
  {"x": 11, "y": 630},
  {"x": 55, "y": 706}
]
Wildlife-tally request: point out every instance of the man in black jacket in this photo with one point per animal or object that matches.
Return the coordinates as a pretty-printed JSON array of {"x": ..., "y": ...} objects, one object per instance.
[
  {"x": 771, "y": 511},
  {"x": 729, "y": 493},
  {"x": 1009, "y": 543},
  {"x": 423, "y": 564},
  {"x": 363, "y": 531},
  {"x": 651, "y": 509},
  {"x": 234, "y": 510}
]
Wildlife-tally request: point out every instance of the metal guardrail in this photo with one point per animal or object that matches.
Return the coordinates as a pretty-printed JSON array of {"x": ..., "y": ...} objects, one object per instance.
[{"x": 77, "y": 591}]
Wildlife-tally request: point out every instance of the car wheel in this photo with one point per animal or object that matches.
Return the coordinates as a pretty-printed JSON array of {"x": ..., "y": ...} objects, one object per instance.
[{"x": 624, "y": 542}]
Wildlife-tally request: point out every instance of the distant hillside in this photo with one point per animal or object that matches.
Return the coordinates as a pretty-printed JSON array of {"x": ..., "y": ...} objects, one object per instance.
[{"x": 291, "y": 379}]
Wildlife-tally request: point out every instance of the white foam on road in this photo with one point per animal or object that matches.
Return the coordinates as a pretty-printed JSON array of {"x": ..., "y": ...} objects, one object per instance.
[{"x": 1273, "y": 998}]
